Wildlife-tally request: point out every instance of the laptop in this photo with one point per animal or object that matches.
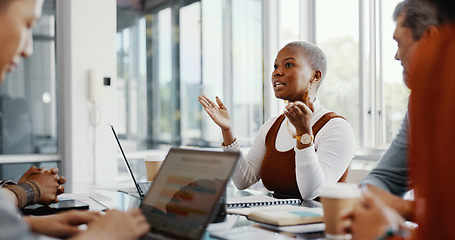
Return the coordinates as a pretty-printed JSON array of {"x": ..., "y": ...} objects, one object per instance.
[
  {"x": 141, "y": 187},
  {"x": 186, "y": 193}
]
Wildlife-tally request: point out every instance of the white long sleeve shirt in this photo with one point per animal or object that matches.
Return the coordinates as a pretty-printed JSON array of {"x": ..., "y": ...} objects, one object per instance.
[{"x": 335, "y": 144}]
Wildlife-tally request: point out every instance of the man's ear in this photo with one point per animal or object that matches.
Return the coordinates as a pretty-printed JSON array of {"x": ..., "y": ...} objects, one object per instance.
[{"x": 431, "y": 31}]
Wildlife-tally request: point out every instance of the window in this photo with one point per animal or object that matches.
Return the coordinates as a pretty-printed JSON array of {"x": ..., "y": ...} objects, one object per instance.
[
  {"x": 174, "y": 51},
  {"x": 191, "y": 48},
  {"x": 395, "y": 93},
  {"x": 364, "y": 81},
  {"x": 247, "y": 71},
  {"x": 289, "y": 22},
  {"x": 28, "y": 105},
  {"x": 339, "y": 39}
]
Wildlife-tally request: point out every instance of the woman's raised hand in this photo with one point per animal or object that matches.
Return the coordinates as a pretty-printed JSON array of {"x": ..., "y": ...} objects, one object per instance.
[
  {"x": 218, "y": 112},
  {"x": 300, "y": 114}
]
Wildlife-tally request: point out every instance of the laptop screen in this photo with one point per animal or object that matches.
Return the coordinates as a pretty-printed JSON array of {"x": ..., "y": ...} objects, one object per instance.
[{"x": 185, "y": 194}]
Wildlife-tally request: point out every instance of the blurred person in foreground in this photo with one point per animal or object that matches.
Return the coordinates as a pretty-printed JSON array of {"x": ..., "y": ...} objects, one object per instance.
[
  {"x": 17, "y": 18},
  {"x": 431, "y": 113},
  {"x": 389, "y": 180}
]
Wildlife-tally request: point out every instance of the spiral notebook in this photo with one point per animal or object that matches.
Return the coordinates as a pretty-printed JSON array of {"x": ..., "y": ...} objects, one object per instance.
[
  {"x": 274, "y": 211},
  {"x": 259, "y": 200}
]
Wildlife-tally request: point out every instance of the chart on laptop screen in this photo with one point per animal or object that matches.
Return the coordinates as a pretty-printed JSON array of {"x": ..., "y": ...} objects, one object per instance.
[
  {"x": 186, "y": 190},
  {"x": 186, "y": 175}
]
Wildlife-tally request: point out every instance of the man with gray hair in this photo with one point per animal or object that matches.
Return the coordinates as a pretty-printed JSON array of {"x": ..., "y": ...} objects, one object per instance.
[{"x": 415, "y": 20}]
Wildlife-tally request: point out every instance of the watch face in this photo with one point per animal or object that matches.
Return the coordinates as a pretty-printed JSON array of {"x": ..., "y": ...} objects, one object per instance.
[{"x": 306, "y": 138}]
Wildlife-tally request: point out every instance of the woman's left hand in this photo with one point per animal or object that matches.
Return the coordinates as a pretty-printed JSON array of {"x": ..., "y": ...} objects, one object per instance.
[{"x": 300, "y": 114}]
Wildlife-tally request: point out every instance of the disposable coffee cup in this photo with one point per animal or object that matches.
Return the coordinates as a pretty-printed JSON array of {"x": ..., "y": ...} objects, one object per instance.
[
  {"x": 152, "y": 165},
  {"x": 335, "y": 198}
]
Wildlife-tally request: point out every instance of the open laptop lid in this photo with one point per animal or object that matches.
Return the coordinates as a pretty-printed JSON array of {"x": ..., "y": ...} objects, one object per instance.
[
  {"x": 141, "y": 194},
  {"x": 186, "y": 193}
]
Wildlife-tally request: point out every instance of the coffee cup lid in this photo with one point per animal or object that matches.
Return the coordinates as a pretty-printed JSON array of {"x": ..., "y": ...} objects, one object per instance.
[{"x": 340, "y": 190}]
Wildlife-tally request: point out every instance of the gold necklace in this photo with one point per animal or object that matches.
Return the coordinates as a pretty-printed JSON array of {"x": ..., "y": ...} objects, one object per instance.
[
  {"x": 287, "y": 122},
  {"x": 293, "y": 135}
]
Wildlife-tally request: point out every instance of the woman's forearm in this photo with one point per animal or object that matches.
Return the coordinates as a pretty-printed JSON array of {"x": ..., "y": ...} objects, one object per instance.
[{"x": 228, "y": 137}]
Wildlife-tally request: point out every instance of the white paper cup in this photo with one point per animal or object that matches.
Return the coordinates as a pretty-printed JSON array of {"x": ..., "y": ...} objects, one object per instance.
[
  {"x": 152, "y": 165},
  {"x": 335, "y": 198}
]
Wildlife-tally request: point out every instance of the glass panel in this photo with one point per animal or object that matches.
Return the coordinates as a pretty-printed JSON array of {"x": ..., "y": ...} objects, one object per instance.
[
  {"x": 179, "y": 64},
  {"x": 337, "y": 34},
  {"x": 289, "y": 21},
  {"x": 247, "y": 69},
  {"x": 45, "y": 25},
  {"x": 155, "y": 98},
  {"x": 131, "y": 79},
  {"x": 167, "y": 116},
  {"x": 190, "y": 72},
  {"x": 14, "y": 171},
  {"x": 123, "y": 66},
  {"x": 212, "y": 64},
  {"x": 28, "y": 100},
  {"x": 395, "y": 91}
]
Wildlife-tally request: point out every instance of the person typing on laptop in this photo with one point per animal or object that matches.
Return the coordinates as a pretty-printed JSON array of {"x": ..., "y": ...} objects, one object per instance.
[
  {"x": 113, "y": 225},
  {"x": 17, "y": 18}
]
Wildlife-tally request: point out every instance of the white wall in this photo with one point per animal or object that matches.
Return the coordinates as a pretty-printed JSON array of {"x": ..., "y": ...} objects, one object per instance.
[{"x": 86, "y": 31}]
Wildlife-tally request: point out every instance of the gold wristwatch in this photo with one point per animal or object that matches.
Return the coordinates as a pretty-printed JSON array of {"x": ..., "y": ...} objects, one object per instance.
[{"x": 305, "y": 138}]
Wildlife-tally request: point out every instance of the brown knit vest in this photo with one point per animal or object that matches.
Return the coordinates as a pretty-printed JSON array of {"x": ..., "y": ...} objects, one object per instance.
[{"x": 278, "y": 168}]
